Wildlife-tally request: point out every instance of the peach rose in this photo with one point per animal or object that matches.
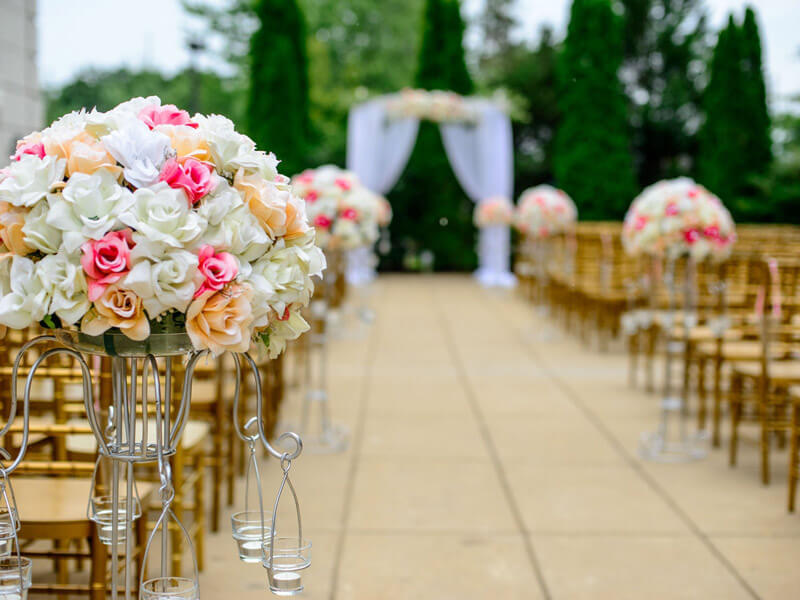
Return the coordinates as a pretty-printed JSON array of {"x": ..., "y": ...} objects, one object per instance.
[
  {"x": 12, "y": 219},
  {"x": 187, "y": 142},
  {"x": 84, "y": 154},
  {"x": 296, "y": 219},
  {"x": 220, "y": 321},
  {"x": 117, "y": 307},
  {"x": 267, "y": 203}
]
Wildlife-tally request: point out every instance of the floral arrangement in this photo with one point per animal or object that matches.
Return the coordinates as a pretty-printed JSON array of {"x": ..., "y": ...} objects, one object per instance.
[
  {"x": 543, "y": 211},
  {"x": 343, "y": 212},
  {"x": 436, "y": 105},
  {"x": 496, "y": 210},
  {"x": 144, "y": 220},
  {"x": 677, "y": 217}
]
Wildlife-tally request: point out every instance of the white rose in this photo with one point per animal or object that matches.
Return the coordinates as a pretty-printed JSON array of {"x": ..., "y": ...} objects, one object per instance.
[
  {"x": 281, "y": 332},
  {"x": 30, "y": 179},
  {"x": 255, "y": 161},
  {"x": 38, "y": 233},
  {"x": 165, "y": 283},
  {"x": 219, "y": 203},
  {"x": 136, "y": 105},
  {"x": 240, "y": 234},
  {"x": 140, "y": 151},
  {"x": 88, "y": 207},
  {"x": 162, "y": 219},
  {"x": 227, "y": 146},
  {"x": 282, "y": 277},
  {"x": 64, "y": 129},
  {"x": 63, "y": 280},
  {"x": 100, "y": 124},
  {"x": 25, "y": 301}
]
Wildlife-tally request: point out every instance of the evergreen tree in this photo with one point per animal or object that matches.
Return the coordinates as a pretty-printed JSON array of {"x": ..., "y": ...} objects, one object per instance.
[
  {"x": 756, "y": 115},
  {"x": 593, "y": 161},
  {"x": 721, "y": 136},
  {"x": 432, "y": 212},
  {"x": 665, "y": 41},
  {"x": 278, "y": 101}
]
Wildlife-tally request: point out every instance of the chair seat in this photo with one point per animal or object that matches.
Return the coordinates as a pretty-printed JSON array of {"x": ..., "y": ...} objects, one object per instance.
[
  {"x": 743, "y": 350},
  {"x": 55, "y": 508},
  {"x": 704, "y": 332},
  {"x": 194, "y": 433},
  {"x": 779, "y": 372},
  {"x": 794, "y": 393}
]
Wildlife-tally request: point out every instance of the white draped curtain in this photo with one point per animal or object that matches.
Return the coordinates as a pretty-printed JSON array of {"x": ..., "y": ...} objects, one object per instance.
[{"x": 480, "y": 153}]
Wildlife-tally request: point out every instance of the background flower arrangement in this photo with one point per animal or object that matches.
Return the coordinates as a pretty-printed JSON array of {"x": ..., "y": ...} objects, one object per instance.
[
  {"x": 677, "y": 217},
  {"x": 496, "y": 210},
  {"x": 145, "y": 219},
  {"x": 543, "y": 211},
  {"x": 344, "y": 213}
]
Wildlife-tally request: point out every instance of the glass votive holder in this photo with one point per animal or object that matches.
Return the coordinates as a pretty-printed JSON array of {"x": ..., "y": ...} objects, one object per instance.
[
  {"x": 250, "y": 529},
  {"x": 103, "y": 513},
  {"x": 289, "y": 557},
  {"x": 169, "y": 588},
  {"x": 8, "y": 530},
  {"x": 15, "y": 577}
]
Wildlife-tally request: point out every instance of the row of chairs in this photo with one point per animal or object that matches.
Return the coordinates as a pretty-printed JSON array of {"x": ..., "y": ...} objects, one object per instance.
[
  {"x": 738, "y": 326},
  {"x": 53, "y": 483}
]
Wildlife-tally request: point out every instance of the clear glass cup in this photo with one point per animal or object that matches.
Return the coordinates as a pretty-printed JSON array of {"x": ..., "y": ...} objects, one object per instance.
[
  {"x": 290, "y": 557},
  {"x": 169, "y": 588},
  {"x": 8, "y": 528},
  {"x": 11, "y": 570},
  {"x": 249, "y": 534},
  {"x": 103, "y": 513}
]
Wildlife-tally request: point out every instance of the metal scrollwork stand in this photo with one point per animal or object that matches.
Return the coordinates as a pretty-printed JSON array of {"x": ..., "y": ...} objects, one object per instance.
[{"x": 127, "y": 440}]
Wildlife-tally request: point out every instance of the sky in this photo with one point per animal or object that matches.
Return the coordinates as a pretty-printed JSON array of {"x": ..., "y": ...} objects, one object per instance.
[{"x": 75, "y": 34}]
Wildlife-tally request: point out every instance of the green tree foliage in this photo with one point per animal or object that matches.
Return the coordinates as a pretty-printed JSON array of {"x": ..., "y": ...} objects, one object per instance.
[
  {"x": 278, "y": 95},
  {"x": 207, "y": 92},
  {"x": 757, "y": 119},
  {"x": 529, "y": 73},
  {"x": 431, "y": 211},
  {"x": 666, "y": 45},
  {"x": 593, "y": 160},
  {"x": 736, "y": 149}
]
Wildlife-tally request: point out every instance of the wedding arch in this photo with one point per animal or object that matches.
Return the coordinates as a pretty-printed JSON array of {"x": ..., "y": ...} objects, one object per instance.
[{"x": 477, "y": 139}]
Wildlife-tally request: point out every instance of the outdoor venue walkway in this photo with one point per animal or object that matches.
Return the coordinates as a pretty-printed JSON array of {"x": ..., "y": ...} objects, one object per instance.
[{"x": 486, "y": 463}]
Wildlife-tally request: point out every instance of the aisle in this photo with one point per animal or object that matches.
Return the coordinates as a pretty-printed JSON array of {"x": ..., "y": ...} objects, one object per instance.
[{"x": 486, "y": 463}]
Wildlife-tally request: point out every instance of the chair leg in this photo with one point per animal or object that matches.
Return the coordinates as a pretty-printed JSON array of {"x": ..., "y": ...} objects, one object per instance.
[
  {"x": 736, "y": 410},
  {"x": 764, "y": 419},
  {"x": 178, "y": 476},
  {"x": 717, "y": 415},
  {"x": 97, "y": 574},
  {"x": 200, "y": 509},
  {"x": 633, "y": 349},
  {"x": 702, "y": 410},
  {"x": 793, "y": 457}
]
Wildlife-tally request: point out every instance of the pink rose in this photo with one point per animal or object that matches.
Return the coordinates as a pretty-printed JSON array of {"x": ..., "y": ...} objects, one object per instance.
[
  {"x": 168, "y": 114},
  {"x": 36, "y": 149},
  {"x": 671, "y": 210},
  {"x": 691, "y": 236},
  {"x": 693, "y": 193},
  {"x": 311, "y": 196},
  {"x": 343, "y": 183},
  {"x": 641, "y": 221},
  {"x": 193, "y": 176},
  {"x": 712, "y": 232},
  {"x": 351, "y": 214},
  {"x": 305, "y": 177},
  {"x": 322, "y": 221},
  {"x": 106, "y": 261},
  {"x": 217, "y": 270}
]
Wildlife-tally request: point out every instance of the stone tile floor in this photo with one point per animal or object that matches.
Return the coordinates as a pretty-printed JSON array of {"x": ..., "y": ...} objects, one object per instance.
[{"x": 488, "y": 463}]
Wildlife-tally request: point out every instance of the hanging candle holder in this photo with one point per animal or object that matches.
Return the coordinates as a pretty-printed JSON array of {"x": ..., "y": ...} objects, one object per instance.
[
  {"x": 286, "y": 557},
  {"x": 15, "y": 570},
  {"x": 251, "y": 527},
  {"x": 102, "y": 506}
]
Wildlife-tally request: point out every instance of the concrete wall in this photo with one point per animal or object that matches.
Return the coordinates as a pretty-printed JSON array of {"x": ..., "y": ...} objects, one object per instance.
[{"x": 21, "y": 108}]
